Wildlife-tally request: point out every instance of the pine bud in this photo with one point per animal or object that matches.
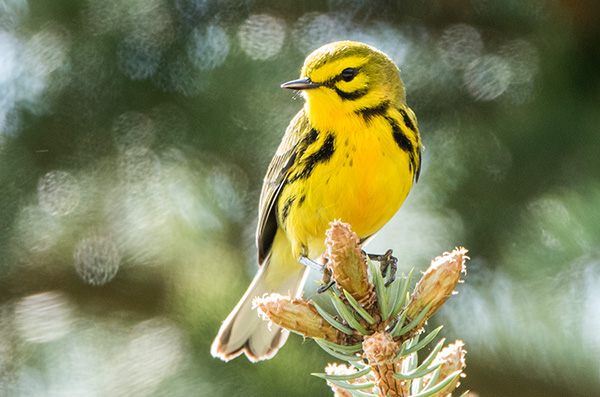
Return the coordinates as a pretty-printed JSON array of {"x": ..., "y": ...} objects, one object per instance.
[
  {"x": 452, "y": 358},
  {"x": 379, "y": 348},
  {"x": 437, "y": 284},
  {"x": 347, "y": 262},
  {"x": 296, "y": 315}
]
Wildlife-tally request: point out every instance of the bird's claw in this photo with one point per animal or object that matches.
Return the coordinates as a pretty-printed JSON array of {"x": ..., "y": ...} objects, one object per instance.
[
  {"x": 324, "y": 287},
  {"x": 327, "y": 282},
  {"x": 386, "y": 260}
]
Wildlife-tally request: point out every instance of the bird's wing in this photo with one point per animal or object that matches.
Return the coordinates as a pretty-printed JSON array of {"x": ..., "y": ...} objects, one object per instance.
[{"x": 288, "y": 152}]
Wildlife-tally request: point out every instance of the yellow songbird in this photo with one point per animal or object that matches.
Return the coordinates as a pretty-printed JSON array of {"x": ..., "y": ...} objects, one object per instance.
[{"x": 351, "y": 153}]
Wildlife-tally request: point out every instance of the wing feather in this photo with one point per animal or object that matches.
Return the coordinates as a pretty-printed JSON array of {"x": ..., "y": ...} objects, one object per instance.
[{"x": 288, "y": 152}]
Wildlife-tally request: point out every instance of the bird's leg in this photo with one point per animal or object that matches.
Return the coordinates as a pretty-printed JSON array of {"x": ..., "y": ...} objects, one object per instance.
[
  {"x": 306, "y": 261},
  {"x": 386, "y": 260},
  {"x": 327, "y": 281}
]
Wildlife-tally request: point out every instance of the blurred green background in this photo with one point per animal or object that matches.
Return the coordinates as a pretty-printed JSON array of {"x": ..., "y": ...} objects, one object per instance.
[{"x": 134, "y": 135}]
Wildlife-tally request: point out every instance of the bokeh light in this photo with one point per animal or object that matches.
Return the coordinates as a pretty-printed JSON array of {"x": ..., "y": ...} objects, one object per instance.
[
  {"x": 460, "y": 45},
  {"x": 37, "y": 230},
  {"x": 313, "y": 30},
  {"x": 261, "y": 36},
  {"x": 44, "y": 317},
  {"x": 58, "y": 193},
  {"x": 8, "y": 65},
  {"x": 487, "y": 78},
  {"x": 209, "y": 47},
  {"x": 97, "y": 259},
  {"x": 158, "y": 345}
]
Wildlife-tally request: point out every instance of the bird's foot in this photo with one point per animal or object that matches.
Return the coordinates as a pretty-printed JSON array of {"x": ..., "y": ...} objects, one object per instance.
[
  {"x": 327, "y": 282},
  {"x": 386, "y": 260}
]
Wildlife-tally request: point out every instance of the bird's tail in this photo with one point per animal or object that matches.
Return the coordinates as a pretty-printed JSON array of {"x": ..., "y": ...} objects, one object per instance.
[{"x": 243, "y": 331}]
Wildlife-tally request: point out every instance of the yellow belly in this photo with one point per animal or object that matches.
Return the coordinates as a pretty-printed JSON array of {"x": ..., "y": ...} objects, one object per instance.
[{"x": 364, "y": 184}]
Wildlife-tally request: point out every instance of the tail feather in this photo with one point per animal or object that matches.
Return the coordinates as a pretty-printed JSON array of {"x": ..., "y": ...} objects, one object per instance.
[{"x": 243, "y": 331}]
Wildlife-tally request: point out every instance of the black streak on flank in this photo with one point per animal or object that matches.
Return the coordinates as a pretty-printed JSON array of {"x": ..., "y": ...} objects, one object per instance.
[
  {"x": 351, "y": 96},
  {"x": 285, "y": 211},
  {"x": 402, "y": 141},
  {"x": 379, "y": 110},
  {"x": 301, "y": 201},
  {"x": 306, "y": 141},
  {"x": 407, "y": 121},
  {"x": 311, "y": 137},
  {"x": 320, "y": 156}
]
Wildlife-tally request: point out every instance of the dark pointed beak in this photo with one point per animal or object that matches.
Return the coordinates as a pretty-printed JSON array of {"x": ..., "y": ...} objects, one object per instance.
[{"x": 301, "y": 84}]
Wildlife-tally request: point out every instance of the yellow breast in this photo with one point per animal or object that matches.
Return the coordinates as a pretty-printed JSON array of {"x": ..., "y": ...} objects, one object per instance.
[{"x": 364, "y": 182}]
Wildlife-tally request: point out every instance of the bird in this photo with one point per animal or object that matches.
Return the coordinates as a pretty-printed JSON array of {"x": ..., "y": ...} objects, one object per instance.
[{"x": 353, "y": 153}]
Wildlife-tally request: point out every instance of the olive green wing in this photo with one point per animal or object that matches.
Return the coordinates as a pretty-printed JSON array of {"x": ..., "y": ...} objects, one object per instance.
[{"x": 288, "y": 152}]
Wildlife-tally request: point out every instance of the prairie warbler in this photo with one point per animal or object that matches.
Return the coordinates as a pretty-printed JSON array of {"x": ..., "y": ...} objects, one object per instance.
[{"x": 351, "y": 153}]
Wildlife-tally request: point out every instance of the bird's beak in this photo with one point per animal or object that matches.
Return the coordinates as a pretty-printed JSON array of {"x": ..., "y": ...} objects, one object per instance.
[{"x": 301, "y": 84}]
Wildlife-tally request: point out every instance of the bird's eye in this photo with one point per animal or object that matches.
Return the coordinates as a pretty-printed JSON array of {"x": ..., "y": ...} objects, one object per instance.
[{"x": 348, "y": 74}]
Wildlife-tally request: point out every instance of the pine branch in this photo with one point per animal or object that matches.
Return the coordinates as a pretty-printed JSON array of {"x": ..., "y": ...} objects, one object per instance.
[{"x": 377, "y": 327}]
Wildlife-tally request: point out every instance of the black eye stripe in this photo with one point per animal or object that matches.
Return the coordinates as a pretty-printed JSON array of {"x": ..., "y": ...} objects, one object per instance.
[{"x": 351, "y": 96}]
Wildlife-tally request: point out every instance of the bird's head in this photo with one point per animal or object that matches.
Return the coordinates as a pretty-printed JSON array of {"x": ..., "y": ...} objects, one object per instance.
[{"x": 343, "y": 77}]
